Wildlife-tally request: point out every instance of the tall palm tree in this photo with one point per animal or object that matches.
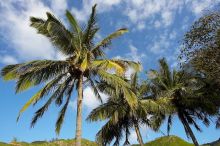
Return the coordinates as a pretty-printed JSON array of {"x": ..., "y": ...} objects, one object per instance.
[
  {"x": 185, "y": 93},
  {"x": 85, "y": 64},
  {"x": 120, "y": 116}
]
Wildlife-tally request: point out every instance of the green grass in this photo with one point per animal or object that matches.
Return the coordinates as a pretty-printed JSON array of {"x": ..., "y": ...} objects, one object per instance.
[
  {"x": 168, "y": 141},
  {"x": 162, "y": 141},
  {"x": 60, "y": 142},
  {"x": 215, "y": 143},
  {"x": 3, "y": 144}
]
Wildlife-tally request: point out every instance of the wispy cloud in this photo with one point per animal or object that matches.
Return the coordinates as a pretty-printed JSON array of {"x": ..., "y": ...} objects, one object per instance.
[
  {"x": 103, "y": 6},
  {"x": 134, "y": 54},
  {"x": 28, "y": 45},
  {"x": 21, "y": 37},
  {"x": 8, "y": 59},
  {"x": 199, "y": 6},
  {"x": 161, "y": 11}
]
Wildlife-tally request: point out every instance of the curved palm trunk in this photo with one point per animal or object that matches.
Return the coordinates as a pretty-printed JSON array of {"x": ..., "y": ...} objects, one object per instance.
[
  {"x": 79, "y": 112},
  {"x": 187, "y": 127},
  {"x": 140, "y": 140}
]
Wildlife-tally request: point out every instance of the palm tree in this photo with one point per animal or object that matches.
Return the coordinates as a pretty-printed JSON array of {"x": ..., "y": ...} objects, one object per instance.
[
  {"x": 120, "y": 116},
  {"x": 85, "y": 64},
  {"x": 185, "y": 93}
]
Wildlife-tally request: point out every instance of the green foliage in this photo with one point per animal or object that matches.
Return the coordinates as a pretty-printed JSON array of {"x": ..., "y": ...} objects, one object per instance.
[
  {"x": 201, "y": 45},
  {"x": 168, "y": 141},
  {"x": 185, "y": 94},
  {"x": 3, "y": 144},
  {"x": 162, "y": 141},
  {"x": 201, "y": 50},
  {"x": 119, "y": 114},
  {"x": 58, "y": 142},
  {"x": 214, "y": 143}
]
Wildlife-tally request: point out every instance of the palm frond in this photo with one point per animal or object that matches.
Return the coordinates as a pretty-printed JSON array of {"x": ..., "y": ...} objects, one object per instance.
[
  {"x": 62, "y": 113},
  {"x": 95, "y": 90},
  {"x": 108, "y": 39},
  {"x": 108, "y": 132},
  {"x": 41, "y": 93},
  {"x": 103, "y": 111},
  {"x": 73, "y": 22},
  {"x": 136, "y": 66},
  {"x": 91, "y": 28},
  {"x": 40, "y": 25},
  {"x": 61, "y": 38},
  {"x": 108, "y": 65},
  {"x": 38, "y": 72},
  {"x": 218, "y": 122},
  {"x": 58, "y": 93},
  {"x": 11, "y": 72},
  {"x": 53, "y": 29}
]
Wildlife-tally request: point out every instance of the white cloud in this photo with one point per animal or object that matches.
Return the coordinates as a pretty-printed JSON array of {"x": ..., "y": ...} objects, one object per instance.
[
  {"x": 141, "y": 26},
  {"x": 198, "y": 6},
  {"x": 90, "y": 101},
  {"x": 157, "y": 24},
  {"x": 27, "y": 44},
  {"x": 134, "y": 55},
  {"x": 167, "y": 17},
  {"x": 160, "y": 44},
  {"x": 129, "y": 72},
  {"x": 133, "y": 136},
  {"x": 8, "y": 60},
  {"x": 172, "y": 35},
  {"x": 102, "y": 6},
  {"x": 59, "y": 6},
  {"x": 162, "y": 11}
]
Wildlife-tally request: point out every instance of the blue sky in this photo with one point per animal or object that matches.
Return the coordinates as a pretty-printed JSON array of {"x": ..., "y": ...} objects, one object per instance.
[{"x": 155, "y": 30}]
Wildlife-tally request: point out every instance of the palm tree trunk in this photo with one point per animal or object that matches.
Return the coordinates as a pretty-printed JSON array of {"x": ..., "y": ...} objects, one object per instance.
[
  {"x": 140, "y": 140},
  {"x": 79, "y": 112},
  {"x": 187, "y": 127}
]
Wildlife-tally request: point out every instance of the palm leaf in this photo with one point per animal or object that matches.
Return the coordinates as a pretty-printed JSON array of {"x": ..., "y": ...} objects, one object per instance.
[
  {"x": 41, "y": 71},
  {"x": 108, "y": 39},
  {"x": 57, "y": 94},
  {"x": 91, "y": 28},
  {"x": 108, "y": 65},
  {"x": 73, "y": 22},
  {"x": 63, "y": 110},
  {"x": 61, "y": 38}
]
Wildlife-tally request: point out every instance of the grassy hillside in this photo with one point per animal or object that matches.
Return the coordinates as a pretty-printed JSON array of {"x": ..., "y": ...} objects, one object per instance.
[
  {"x": 3, "y": 144},
  {"x": 162, "y": 141},
  {"x": 168, "y": 141},
  {"x": 60, "y": 142},
  {"x": 215, "y": 143}
]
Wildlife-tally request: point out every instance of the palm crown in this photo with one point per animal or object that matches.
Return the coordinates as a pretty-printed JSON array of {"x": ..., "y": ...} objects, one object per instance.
[
  {"x": 186, "y": 96},
  {"x": 85, "y": 63},
  {"x": 120, "y": 116}
]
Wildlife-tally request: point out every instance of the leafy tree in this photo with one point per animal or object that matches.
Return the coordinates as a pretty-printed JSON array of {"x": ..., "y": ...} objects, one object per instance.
[
  {"x": 185, "y": 94},
  {"x": 201, "y": 52},
  {"x": 120, "y": 116},
  {"x": 85, "y": 64},
  {"x": 201, "y": 45}
]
